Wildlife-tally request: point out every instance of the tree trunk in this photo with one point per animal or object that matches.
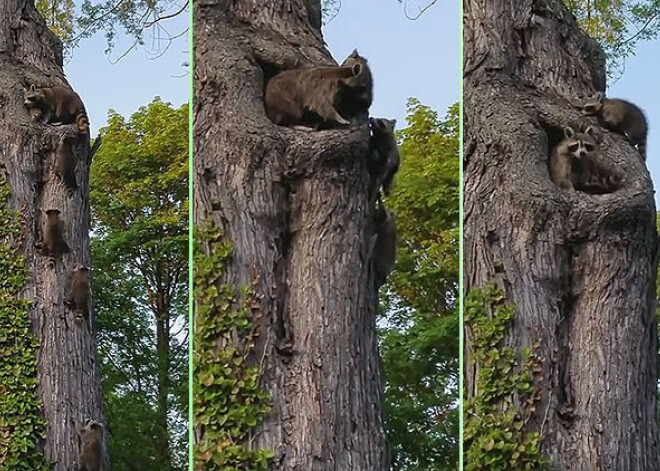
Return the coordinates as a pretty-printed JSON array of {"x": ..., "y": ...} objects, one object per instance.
[
  {"x": 163, "y": 352},
  {"x": 68, "y": 373},
  {"x": 295, "y": 206},
  {"x": 579, "y": 268}
]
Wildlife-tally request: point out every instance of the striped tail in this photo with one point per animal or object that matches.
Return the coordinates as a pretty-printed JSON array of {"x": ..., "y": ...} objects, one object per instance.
[{"x": 82, "y": 122}]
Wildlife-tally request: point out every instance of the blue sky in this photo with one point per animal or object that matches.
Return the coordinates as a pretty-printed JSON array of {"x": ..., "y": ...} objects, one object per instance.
[
  {"x": 636, "y": 85},
  {"x": 418, "y": 59},
  {"x": 133, "y": 81}
]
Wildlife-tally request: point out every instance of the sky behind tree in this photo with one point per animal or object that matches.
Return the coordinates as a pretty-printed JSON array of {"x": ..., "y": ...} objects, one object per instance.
[
  {"x": 134, "y": 80},
  {"x": 409, "y": 59}
]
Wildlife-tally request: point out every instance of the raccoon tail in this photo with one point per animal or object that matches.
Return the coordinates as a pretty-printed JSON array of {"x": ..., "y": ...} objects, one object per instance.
[{"x": 82, "y": 122}]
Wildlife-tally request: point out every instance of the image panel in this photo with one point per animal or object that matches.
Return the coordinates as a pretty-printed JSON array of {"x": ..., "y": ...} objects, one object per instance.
[
  {"x": 93, "y": 236},
  {"x": 560, "y": 241},
  {"x": 326, "y": 247}
]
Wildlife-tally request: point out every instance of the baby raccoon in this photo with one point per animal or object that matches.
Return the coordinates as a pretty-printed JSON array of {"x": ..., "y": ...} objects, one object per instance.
[
  {"x": 291, "y": 96},
  {"x": 355, "y": 99},
  {"x": 384, "y": 151},
  {"x": 573, "y": 165},
  {"x": 79, "y": 292},
  {"x": 65, "y": 162},
  {"x": 54, "y": 243},
  {"x": 91, "y": 439},
  {"x": 383, "y": 254},
  {"x": 619, "y": 116},
  {"x": 56, "y": 105}
]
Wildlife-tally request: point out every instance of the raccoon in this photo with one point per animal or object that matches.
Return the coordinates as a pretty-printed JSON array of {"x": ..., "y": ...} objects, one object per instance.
[
  {"x": 383, "y": 254},
  {"x": 65, "y": 162},
  {"x": 91, "y": 442},
  {"x": 79, "y": 292},
  {"x": 57, "y": 105},
  {"x": 54, "y": 243},
  {"x": 619, "y": 116},
  {"x": 308, "y": 96},
  {"x": 384, "y": 151},
  {"x": 573, "y": 165},
  {"x": 356, "y": 99}
]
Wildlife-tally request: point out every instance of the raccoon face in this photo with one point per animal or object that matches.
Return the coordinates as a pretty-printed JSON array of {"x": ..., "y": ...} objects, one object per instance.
[
  {"x": 33, "y": 96},
  {"x": 580, "y": 145},
  {"x": 593, "y": 105},
  {"x": 382, "y": 125}
]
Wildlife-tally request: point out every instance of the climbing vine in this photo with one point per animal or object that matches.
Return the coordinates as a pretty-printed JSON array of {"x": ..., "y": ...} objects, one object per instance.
[
  {"x": 495, "y": 437},
  {"x": 22, "y": 425},
  {"x": 227, "y": 400}
]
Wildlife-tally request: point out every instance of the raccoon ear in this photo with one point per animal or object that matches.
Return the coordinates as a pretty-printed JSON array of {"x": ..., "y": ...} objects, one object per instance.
[
  {"x": 568, "y": 131},
  {"x": 589, "y": 131},
  {"x": 600, "y": 96},
  {"x": 356, "y": 69},
  {"x": 33, "y": 88}
]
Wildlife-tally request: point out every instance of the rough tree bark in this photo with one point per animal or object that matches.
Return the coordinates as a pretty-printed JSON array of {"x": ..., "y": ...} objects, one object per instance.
[
  {"x": 69, "y": 380},
  {"x": 295, "y": 206},
  {"x": 580, "y": 268}
]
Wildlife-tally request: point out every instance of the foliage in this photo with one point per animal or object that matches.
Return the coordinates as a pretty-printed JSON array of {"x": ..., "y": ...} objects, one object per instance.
[
  {"x": 227, "y": 401},
  {"x": 135, "y": 17},
  {"x": 494, "y": 433},
  {"x": 618, "y": 26},
  {"x": 419, "y": 333},
  {"x": 22, "y": 426},
  {"x": 59, "y": 16},
  {"x": 139, "y": 191}
]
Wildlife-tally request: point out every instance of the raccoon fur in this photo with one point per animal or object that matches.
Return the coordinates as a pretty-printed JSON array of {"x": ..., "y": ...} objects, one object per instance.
[
  {"x": 621, "y": 117},
  {"x": 79, "y": 290},
  {"x": 91, "y": 445},
  {"x": 65, "y": 162},
  {"x": 57, "y": 105},
  {"x": 384, "y": 158},
  {"x": 383, "y": 254},
  {"x": 54, "y": 244},
  {"x": 573, "y": 165},
  {"x": 309, "y": 96}
]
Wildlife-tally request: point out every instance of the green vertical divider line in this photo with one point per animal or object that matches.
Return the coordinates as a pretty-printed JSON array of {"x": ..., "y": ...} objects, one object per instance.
[
  {"x": 190, "y": 237},
  {"x": 460, "y": 254}
]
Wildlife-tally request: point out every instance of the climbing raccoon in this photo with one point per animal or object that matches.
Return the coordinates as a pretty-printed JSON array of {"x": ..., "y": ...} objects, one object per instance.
[
  {"x": 54, "y": 243},
  {"x": 309, "y": 96},
  {"x": 383, "y": 254},
  {"x": 384, "y": 151},
  {"x": 619, "y": 116},
  {"x": 573, "y": 165},
  {"x": 91, "y": 442},
  {"x": 65, "y": 162},
  {"x": 79, "y": 292},
  {"x": 56, "y": 105}
]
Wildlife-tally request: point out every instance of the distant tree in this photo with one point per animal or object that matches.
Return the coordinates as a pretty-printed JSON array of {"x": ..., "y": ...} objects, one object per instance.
[
  {"x": 420, "y": 330},
  {"x": 139, "y": 191}
]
